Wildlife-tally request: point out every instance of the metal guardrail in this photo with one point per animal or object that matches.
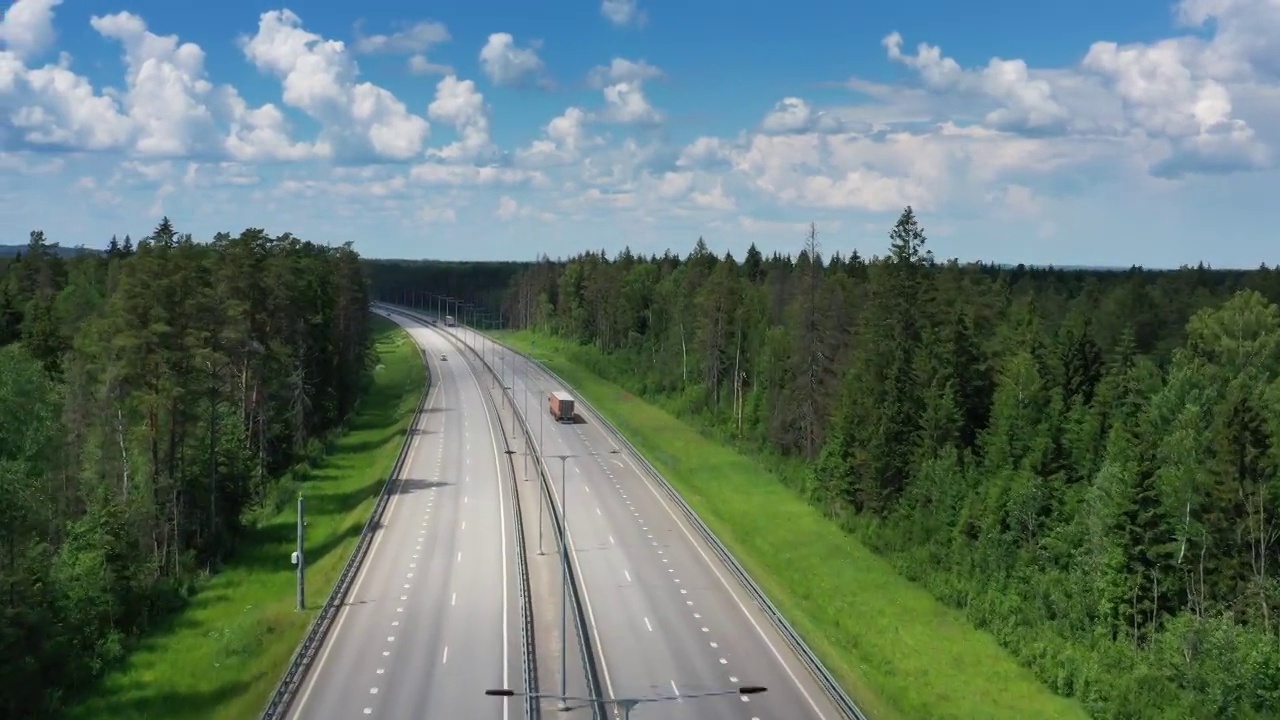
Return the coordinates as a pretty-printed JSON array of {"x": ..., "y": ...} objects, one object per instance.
[
  {"x": 532, "y": 709},
  {"x": 819, "y": 671},
  {"x": 585, "y": 647},
  {"x": 300, "y": 663}
]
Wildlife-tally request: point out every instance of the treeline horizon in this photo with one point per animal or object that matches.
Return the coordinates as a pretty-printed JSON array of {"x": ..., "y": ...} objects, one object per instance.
[
  {"x": 159, "y": 401},
  {"x": 1084, "y": 462},
  {"x": 487, "y": 282}
]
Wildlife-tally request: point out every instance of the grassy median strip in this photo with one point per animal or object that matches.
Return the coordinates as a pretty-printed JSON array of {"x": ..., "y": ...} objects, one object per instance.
[
  {"x": 220, "y": 658},
  {"x": 899, "y": 653}
]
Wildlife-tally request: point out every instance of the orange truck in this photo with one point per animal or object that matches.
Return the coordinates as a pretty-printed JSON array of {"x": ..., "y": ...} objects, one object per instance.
[{"x": 561, "y": 406}]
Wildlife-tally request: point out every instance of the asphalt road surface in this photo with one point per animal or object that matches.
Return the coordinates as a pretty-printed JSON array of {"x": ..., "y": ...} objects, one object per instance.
[
  {"x": 667, "y": 616},
  {"x": 433, "y": 618}
]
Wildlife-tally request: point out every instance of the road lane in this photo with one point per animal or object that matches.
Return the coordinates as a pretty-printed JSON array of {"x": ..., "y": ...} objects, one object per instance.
[
  {"x": 668, "y": 614},
  {"x": 433, "y": 618}
]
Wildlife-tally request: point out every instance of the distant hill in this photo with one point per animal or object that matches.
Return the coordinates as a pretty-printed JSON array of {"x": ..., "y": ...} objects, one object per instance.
[{"x": 11, "y": 250}]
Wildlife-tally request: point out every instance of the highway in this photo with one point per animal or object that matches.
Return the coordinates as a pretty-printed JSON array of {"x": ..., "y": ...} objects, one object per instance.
[
  {"x": 667, "y": 616},
  {"x": 433, "y": 618}
]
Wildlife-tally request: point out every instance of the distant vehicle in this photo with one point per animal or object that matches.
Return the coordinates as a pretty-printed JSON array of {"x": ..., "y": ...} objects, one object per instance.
[
  {"x": 561, "y": 406},
  {"x": 442, "y": 357},
  {"x": 449, "y": 321}
]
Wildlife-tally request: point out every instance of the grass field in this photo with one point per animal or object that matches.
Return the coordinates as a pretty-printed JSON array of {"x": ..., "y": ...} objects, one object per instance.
[
  {"x": 901, "y": 654},
  {"x": 221, "y": 658}
]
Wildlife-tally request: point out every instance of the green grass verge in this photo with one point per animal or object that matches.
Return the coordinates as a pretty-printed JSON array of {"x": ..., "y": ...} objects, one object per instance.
[
  {"x": 220, "y": 658},
  {"x": 899, "y": 652}
]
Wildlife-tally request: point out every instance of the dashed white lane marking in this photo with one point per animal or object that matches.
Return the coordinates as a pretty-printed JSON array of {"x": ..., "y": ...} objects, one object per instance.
[
  {"x": 386, "y": 653},
  {"x": 459, "y": 556},
  {"x": 413, "y": 565},
  {"x": 373, "y": 691},
  {"x": 368, "y": 711},
  {"x": 381, "y": 670},
  {"x": 624, "y": 572},
  {"x": 723, "y": 661},
  {"x": 611, "y": 540},
  {"x": 464, "y": 524},
  {"x": 395, "y": 623},
  {"x": 391, "y": 638},
  {"x": 646, "y": 624},
  {"x": 454, "y": 600},
  {"x": 599, "y": 513},
  {"x": 445, "y": 659},
  {"x": 674, "y": 689},
  {"x": 733, "y": 679}
]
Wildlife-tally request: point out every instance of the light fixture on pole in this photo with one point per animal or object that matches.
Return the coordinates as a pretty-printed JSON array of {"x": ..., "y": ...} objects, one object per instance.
[{"x": 626, "y": 705}]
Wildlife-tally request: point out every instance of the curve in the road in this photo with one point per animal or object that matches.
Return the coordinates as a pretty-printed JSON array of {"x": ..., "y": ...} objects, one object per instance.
[{"x": 433, "y": 617}]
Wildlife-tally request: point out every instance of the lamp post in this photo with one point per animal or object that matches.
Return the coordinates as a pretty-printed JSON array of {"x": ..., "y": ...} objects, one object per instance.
[
  {"x": 526, "y": 387},
  {"x": 564, "y": 576},
  {"x": 628, "y": 704}
]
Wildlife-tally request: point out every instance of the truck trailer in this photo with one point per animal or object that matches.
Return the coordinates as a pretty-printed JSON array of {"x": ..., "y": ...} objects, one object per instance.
[
  {"x": 449, "y": 321},
  {"x": 561, "y": 406}
]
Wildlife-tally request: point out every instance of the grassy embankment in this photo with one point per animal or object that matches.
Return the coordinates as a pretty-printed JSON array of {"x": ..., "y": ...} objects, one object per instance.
[
  {"x": 900, "y": 653},
  {"x": 221, "y": 657}
]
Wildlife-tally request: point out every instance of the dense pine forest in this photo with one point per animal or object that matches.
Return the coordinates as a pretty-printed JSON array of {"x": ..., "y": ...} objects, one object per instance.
[
  {"x": 1085, "y": 462},
  {"x": 482, "y": 283},
  {"x": 155, "y": 401}
]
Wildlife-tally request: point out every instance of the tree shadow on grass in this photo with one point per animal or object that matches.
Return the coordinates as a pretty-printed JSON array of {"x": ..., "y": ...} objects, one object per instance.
[
  {"x": 267, "y": 548},
  {"x": 370, "y": 444},
  {"x": 148, "y": 703},
  {"x": 381, "y": 440}
]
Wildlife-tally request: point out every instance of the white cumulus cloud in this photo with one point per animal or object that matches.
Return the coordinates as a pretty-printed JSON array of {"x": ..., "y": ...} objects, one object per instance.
[{"x": 506, "y": 64}]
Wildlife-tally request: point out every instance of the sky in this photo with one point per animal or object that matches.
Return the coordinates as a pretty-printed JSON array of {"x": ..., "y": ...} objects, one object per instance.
[{"x": 1083, "y": 133}]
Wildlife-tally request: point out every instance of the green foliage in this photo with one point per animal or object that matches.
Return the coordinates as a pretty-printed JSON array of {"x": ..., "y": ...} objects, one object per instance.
[
  {"x": 1085, "y": 463},
  {"x": 151, "y": 398},
  {"x": 222, "y": 656},
  {"x": 901, "y": 653}
]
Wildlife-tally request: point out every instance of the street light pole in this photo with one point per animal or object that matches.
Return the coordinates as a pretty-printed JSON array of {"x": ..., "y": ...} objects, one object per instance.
[
  {"x": 525, "y": 401},
  {"x": 564, "y": 585},
  {"x": 542, "y": 493}
]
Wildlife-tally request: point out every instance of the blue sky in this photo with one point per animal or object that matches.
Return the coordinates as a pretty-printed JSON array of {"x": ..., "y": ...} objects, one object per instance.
[{"x": 1071, "y": 133}]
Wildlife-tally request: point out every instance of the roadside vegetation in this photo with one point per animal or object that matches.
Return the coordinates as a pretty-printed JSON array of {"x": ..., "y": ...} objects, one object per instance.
[
  {"x": 221, "y": 657},
  {"x": 160, "y": 404},
  {"x": 900, "y": 653},
  {"x": 1084, "y": 463}
]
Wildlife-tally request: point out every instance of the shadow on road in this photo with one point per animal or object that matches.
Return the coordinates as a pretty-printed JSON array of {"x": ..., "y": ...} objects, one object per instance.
[{"x": 409, "y": 486}]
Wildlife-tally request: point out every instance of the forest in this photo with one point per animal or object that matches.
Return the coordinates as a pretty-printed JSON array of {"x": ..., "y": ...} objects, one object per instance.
[
  {"x": 1084, "y": 462},
  {"x": 481, "y": 283},
  {"x": 158, "y": 399}
]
